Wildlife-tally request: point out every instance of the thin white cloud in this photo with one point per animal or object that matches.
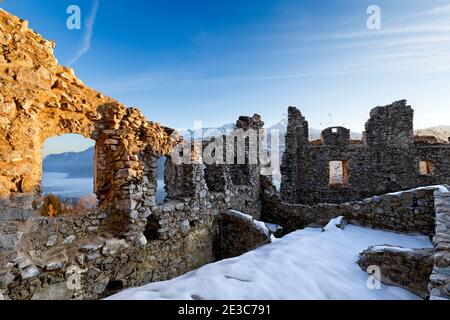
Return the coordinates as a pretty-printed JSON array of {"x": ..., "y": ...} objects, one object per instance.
[
  {"x": 88, "y": 33},
  {"x": 405, "y": 45},
  {"x": 441, "y": 10},
  {"x": 428, "y": 28}
]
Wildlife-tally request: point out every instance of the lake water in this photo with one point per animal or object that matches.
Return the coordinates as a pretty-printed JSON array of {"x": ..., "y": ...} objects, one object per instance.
[{"x": 61, "y": 185}]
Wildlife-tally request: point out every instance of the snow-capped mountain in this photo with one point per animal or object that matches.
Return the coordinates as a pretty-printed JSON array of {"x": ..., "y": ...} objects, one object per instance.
[
  {"x": 207, "y": 132},
  {"x": 75, "y": 164},
  {"x": 441, "y": 132}
]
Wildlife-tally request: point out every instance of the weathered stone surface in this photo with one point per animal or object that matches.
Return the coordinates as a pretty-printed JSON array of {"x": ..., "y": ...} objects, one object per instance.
[
  {"x": 406, "y": 268},
  {"x": 58, "y": 291},
  {"x": 185, "y": 227},
  {"x": 131, "y": 240},
  {"x": 440, "y": 277},
  {"x": 30, "y": 272},
  {"x": 6, "y": 279},
  {"x": 52, "y": 240},
  {"x": 14, "y": 214},
  {"x": 113, "y": 246},
  {"x": 9, "y": 235},
  {"x": 56, "y": 263},
  {"x": 235, "y": 224},
  {"x": 386, "y": 160},
  {"x": 403, "y": 212},
  {"x": 70, "y": 239},
  {"x": 42, "y": 99}
]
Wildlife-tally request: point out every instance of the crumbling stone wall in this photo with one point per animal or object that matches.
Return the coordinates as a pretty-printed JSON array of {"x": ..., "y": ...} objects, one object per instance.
[
  {"x": 180, "y": 235},
  {"x": 233, "y": 225},
  {"x": 40, "y": 99},
  {"x": 296, "y": 142},
  {"x": 423, "y": 210},
  {"x": 387, "y": 160},
  {"x": 409, "y": 211},
  {"x": 129, "y": 240},
  {"x": 440, "y": 278},
  {"x": 406, "y": 268},
  {"x": 54, "y": 252},
  {"x": 238, "y": 184}
]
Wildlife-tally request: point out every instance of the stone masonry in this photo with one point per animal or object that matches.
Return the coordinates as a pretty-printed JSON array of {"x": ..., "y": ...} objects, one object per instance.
[
  {"x": 129, "y": 240},
  {"x": 388, "y": 159},
  {"x": 423, "y": 210},
  {"x": 440, "y": 278},
  {"x": 406, "y": 268},
  {"x": 212, "y": 208},
  {"x": 409, "y": 211}
]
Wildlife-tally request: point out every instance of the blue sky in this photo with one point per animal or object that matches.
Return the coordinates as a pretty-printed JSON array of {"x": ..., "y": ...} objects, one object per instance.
[{"x": 181, "y": 61}]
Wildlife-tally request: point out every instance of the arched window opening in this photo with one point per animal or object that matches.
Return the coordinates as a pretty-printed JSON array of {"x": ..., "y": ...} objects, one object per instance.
[{"x": 68, "y": 172}]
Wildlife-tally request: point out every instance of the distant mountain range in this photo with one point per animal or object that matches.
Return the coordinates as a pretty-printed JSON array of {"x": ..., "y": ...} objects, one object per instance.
[
  {"x": 441, "y": 132},
  {"x": 314, "y": 134},
  {"x": 76, "y": 164},
  {"x": 208, "y": 132},
  {"x": 81, "y": 164}
]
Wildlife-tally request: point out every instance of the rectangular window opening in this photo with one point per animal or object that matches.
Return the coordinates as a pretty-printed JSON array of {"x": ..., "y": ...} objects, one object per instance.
[
  {"x": 426, "y": 168},
  {"x": 339, "y": 173}
]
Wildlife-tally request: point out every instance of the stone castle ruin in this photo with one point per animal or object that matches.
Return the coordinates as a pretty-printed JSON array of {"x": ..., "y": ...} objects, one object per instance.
[
  {"x": 130, "y": 240},
  {"x": 336, "y": 169}
]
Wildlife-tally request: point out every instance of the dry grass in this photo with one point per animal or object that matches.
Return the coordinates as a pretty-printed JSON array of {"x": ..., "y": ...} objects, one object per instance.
[{"x": 53, "y": 206}]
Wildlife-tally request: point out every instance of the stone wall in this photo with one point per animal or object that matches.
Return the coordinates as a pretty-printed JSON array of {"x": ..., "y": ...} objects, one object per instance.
[
  {"x": 423, "y": 210},
  {"x": 38, "y": 254},
  {"x": 406, "y": 268},
  {"x": 387, "y": 160},
  {"x": 296, "y": 143},
  {"x": 410, "y": 211},
  {"x": 235, "y": 176},
  {"x": 440, "y": 278},
  {"x": 52, "y": 254},
  {"x": 233, "y": 225},
  {"x": 40, "y": 99},
  {"x": 129, "y": 240},
  {"x": 40, "y": 257}
]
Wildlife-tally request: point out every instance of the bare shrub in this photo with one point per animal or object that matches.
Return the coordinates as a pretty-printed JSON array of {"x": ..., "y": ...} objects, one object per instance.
[{"x": 52, "y": 206}]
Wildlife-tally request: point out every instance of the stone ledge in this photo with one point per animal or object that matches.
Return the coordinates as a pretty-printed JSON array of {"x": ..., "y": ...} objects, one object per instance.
[{"x": 403, "y": 267}]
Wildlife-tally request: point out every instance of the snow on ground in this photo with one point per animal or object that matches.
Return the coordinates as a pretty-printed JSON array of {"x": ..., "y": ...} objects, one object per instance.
[{"x": 307, "y": 264}]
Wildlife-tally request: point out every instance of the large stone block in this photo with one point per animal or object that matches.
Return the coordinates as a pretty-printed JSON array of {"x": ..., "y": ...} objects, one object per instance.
[
  {"x": 15, "y": 214},
  {"x": 58, "y": 291}
]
